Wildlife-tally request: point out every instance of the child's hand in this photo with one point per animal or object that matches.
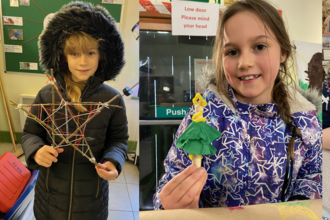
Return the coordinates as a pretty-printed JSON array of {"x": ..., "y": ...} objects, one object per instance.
[
  {"x": 184, "y": 190},
  {"x": 46, "y": 155},
  {"x": 108, "y": 171}
]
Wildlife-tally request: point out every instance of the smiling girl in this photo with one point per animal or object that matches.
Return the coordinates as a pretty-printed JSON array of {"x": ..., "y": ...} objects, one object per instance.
[
  {"x": 270, "y": 147},
  {"x": 83, "y": 47}
]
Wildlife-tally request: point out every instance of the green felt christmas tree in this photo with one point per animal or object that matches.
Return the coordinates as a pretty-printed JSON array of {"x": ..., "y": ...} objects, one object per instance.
[{"x": 197, "y": 138}]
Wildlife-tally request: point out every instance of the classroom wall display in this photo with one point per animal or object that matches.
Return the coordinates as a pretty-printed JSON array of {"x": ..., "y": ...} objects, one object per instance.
[
  {"x": 21, "y": 51},
  {"x": 308, "y": 59},
  {"x": 309, "y": 64},
  {"x": 326, "y": 42}
]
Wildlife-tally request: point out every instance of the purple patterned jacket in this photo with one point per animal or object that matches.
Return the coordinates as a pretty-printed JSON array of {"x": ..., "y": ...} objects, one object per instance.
[{"x": 250, "y": 163}]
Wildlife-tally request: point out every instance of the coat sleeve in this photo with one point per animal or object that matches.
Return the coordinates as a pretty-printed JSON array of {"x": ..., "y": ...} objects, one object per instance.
[
  {"x": 117, "y": 137},
  {"x": 308, "y": 184},
  {"x": 175, "y": 162},
  {"x": 34, "y": 136}
]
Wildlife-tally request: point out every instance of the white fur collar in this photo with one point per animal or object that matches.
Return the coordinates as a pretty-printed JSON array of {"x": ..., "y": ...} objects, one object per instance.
[{"x": 300, "y": 105}]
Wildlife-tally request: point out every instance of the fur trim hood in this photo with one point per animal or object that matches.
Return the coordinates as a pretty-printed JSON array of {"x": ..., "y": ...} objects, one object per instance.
[
  {"x": 95, "y": 21},
  {"x": 309, "y": 100}
]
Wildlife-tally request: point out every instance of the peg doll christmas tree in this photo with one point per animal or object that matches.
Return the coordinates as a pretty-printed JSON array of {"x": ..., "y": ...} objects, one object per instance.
[{"x": 197, "y": 138}]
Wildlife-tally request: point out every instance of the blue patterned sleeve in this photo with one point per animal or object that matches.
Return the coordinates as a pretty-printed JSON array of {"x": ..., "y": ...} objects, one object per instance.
[
  {"x": 309, "y": 179},
  {"x": 175, "y": 162}
]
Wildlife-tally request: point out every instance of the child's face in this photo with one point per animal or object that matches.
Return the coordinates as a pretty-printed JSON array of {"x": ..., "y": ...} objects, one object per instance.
[
  {"x": 250, "y": 51},
  {"x": 82, "y": 65}
]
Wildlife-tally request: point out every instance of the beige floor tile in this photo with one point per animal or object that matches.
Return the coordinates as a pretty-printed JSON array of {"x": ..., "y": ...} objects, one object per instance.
[
  {"x": 120, "y": 215},
  {"x": 131, "y": 173},
  {"x": 121, "y": 178},
  {"x": 136, "y": 215},
  {"x": 133, "y": 192},
  {"x": 22, "y": 159},
  {"x": 7, "y": 147},
  {"x": 118, "y": 197}
]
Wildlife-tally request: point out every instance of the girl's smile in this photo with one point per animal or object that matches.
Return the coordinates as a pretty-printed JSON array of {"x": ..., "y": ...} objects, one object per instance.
[
  {"x": 251, "y": 58},
  {"x": 249, "y": 78},
  {"x": 83, "y": 71}
]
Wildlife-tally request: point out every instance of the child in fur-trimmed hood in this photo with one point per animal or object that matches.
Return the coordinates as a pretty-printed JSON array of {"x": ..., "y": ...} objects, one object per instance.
[{"x": 84, "y": 48}]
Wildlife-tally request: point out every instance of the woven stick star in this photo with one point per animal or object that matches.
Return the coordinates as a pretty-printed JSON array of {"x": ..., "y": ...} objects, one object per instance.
[{"x": 80, "y": 128}]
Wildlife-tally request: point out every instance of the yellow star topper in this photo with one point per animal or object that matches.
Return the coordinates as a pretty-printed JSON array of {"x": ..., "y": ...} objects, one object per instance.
[{"x": 201, "y": 102}]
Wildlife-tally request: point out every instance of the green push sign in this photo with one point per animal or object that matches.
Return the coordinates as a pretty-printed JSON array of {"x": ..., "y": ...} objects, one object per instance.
[{"x": 172, "y": 112}]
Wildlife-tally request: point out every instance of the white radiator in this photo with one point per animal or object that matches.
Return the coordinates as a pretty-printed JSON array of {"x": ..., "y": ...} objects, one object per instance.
[{"x": 25, "y": 99}]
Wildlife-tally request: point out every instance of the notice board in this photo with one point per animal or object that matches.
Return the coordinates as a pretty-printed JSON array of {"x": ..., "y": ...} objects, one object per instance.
[{"x": 24, "y": 44}]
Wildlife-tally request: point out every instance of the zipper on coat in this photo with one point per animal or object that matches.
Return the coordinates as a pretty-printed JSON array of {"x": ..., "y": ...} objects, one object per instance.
[
  {"x": 98, "y": 178},
  {"x": 98, "y": 186},
  {"x": 72, "y": 173},
  {"x": 82, "y": 95},
  {"x": 47, "y": 179},
  {"x": 71, "y": 188}
]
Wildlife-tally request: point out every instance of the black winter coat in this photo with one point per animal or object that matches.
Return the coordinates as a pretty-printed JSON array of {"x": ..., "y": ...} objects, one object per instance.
[{"x": 71, "y": 188}]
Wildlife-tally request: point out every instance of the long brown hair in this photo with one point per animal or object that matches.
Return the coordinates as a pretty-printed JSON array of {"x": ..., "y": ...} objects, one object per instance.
[
  {"x": 272, "y": 20},
  {"x": 82, "y": 41}
]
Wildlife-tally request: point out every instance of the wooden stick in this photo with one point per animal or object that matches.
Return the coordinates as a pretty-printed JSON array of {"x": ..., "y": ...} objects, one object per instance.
[
  {"x": 197, "y": 160},
  {"x": 19, "y": 152},
  {"x": 70, "y": 103},
  {"x": 133, "y": 86},
  {"x": 52, "y": 112},
  {"x": 93, "y": 103},
  {"x": 11, "y": 128}
]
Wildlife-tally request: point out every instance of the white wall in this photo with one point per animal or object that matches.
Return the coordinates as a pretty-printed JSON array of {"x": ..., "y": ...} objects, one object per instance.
[
  {"x": 20, "y": 83},
  {"x": 303, "y": 19}
]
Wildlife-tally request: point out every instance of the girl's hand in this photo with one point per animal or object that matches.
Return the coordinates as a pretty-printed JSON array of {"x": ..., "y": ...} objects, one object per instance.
[
  {"x": 184, "y": 190},
  {"x": 46, "y": 155},
  {"x": 108, "y": 171}
]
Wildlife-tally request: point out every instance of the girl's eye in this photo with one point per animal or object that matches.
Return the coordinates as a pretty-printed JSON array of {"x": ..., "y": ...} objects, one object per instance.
[
  {"x": 232, "y": 53},
  {"x": 260, "y": 47},
  {"x": 74, "y": 54},
  {"x": 91, "y": 53}
]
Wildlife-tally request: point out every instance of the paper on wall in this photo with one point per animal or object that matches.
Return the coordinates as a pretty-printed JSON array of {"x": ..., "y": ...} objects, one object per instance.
[
  {"x": 11, "y": 20},
  {"x": 13, "y": 48},
  {"x": 15, "y": 34},
  {"x": 25, "y": 2},
  {"x": 28, "y": 66},
  {"x": 112, "y": 1},
  {"x": 326, "y": 54},
  {"x": 308, "y": 59},
  {"x": 13, "y": 3},
  {"x": 194, "y": 18},
  {"x": 33, "y": 66}
]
